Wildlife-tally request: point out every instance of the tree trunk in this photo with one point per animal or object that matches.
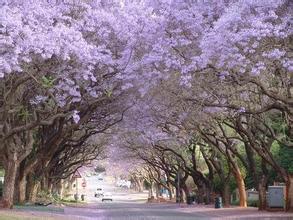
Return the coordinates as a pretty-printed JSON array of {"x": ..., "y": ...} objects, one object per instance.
[
  {"x": 151, "y": 192},
  {"x": 157, "y": 187},
  {"x": 60, "y": 188},
  {"x": 170, "y": 194},
  {"x": 289, "y": 193},
  {"x": 45, "y": 183},
  {"x": 21, "y": 183},
  {"x": 16, "y": 188},
  {"x": 241, "y": 189},
  {"x": 11, "y": 166},
  {"x": 181, "y": 195},
  {"x": 50, "y": 185},
  {"x": 140, "y": 185},
  {"x": 21, "y": 189},
  {"x": 208, "y": 198},
  {"x": 262, "y": 194},
  {"x": 186, "y": 192},
  {"x": 200, "y": 194},
  {"x": 226, "y": 195},
  {"x": 178, "y": 195},
  {"x": 32, "y": 189},
  {"x": 170, "y": 187}
]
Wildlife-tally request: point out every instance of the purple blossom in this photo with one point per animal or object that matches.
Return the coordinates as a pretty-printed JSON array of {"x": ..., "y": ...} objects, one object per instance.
[
  {"x": 241, "y": 110},
  {"x": 75, "y": 116}
]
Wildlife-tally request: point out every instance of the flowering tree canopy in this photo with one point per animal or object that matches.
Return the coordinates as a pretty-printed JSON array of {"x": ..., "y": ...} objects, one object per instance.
[{"x": 180, "y": 76}]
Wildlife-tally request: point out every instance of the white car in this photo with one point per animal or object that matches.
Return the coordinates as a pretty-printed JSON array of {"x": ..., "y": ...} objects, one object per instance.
[{"x": 107, "y": 197}]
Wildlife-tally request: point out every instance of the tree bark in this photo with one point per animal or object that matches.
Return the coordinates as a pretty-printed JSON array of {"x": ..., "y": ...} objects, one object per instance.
[
  {"x": 13, "y": 155},
  {"x": 170, "y": 190},
  {"x": 289, "y": 193},
  {"x": 60, "y": 188},
  {"x": 200, "y": 194},
  {"x": 22, "y": 189},
  {"x": 151, "y": 192},
  {"x": 262, "y": 194},
  {"x": 140, "y": 185},
  {"x": 208, "y": 197},
  {"x": 178, "y": 195},
  {"x": 45, "y": 183},
  {"x": 157, "y": 187},
  {"x": 21, "y": 183},
  {"x": 226, "y": 195},
  {"x": 170, "y": 193},
  {"x": 186, "y": 192},
  {"x": 241, "y": 189},
  {"x": 10, "y": 167},
  {"x": 32, "y": 189},
  {"x": 262, "y": 197}
]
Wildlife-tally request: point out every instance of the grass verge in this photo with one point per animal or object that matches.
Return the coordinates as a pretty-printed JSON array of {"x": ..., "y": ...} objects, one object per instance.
[
  {"x": 13, "y": 216},
  {"x": 38, "y": 208}
]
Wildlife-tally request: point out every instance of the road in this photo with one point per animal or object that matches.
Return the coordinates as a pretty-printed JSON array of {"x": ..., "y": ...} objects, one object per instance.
[
  {"x": 143, "y": 211},
  {"x": 119, "y": 195},
  {"x": 133, "y": 211},
  {"x": 133, "y": 206},
  {"x": 127, "y": 205}
]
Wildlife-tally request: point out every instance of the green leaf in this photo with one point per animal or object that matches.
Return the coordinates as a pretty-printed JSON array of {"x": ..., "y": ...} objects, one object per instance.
[
  {"x": 109, "y": 92},
  {"x": 48, "y": 82}
]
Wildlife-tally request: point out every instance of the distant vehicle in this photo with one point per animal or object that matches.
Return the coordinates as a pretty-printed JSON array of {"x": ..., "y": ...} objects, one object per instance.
[
  {"x": 99, "y": 192},
  {"x": 107, "y": 197},
  {"x": 100, "y": 176},
  {"x": 123, "y": 184}
]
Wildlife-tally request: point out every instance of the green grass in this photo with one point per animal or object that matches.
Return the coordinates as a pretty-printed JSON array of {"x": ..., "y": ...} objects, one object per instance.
[
  {"x": 9, "y": 217},
  {"x": 250, "y": 203},
  {"x": 38, "y": 208},
  {"x": 69, "y": 201}
]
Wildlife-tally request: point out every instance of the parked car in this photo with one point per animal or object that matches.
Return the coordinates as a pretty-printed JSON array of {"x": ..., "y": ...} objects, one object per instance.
[{"x": 107, "y": 197}]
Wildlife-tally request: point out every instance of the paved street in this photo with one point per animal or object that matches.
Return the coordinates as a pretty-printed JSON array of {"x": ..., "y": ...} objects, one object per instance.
[
  {"x": 143, "y": 211},
  {"x": 107, "y": 184},
  {"x": 127, "y": 205},
  {"x": 139, "y": 211}
]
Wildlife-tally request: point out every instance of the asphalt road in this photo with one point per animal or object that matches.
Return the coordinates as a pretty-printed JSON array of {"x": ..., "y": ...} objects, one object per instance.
[
  {"x": 134, "y": 211},
  {"x": 107, "y": 184},
  {"x": 143, "y": 211},
  {"x": 127, "y": 205},
  {"x": 132, "y": 206}
]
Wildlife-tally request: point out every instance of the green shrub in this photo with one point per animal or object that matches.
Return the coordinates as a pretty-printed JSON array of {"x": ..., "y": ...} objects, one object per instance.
[
  {"x": 251, "y": 203},
  {"x": 45, "y": 196},
  {"x": 235, "y": 202}
]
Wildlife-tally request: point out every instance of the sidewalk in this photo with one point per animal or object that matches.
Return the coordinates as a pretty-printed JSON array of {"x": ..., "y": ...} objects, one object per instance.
[{"x": 234, "y": 213}]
